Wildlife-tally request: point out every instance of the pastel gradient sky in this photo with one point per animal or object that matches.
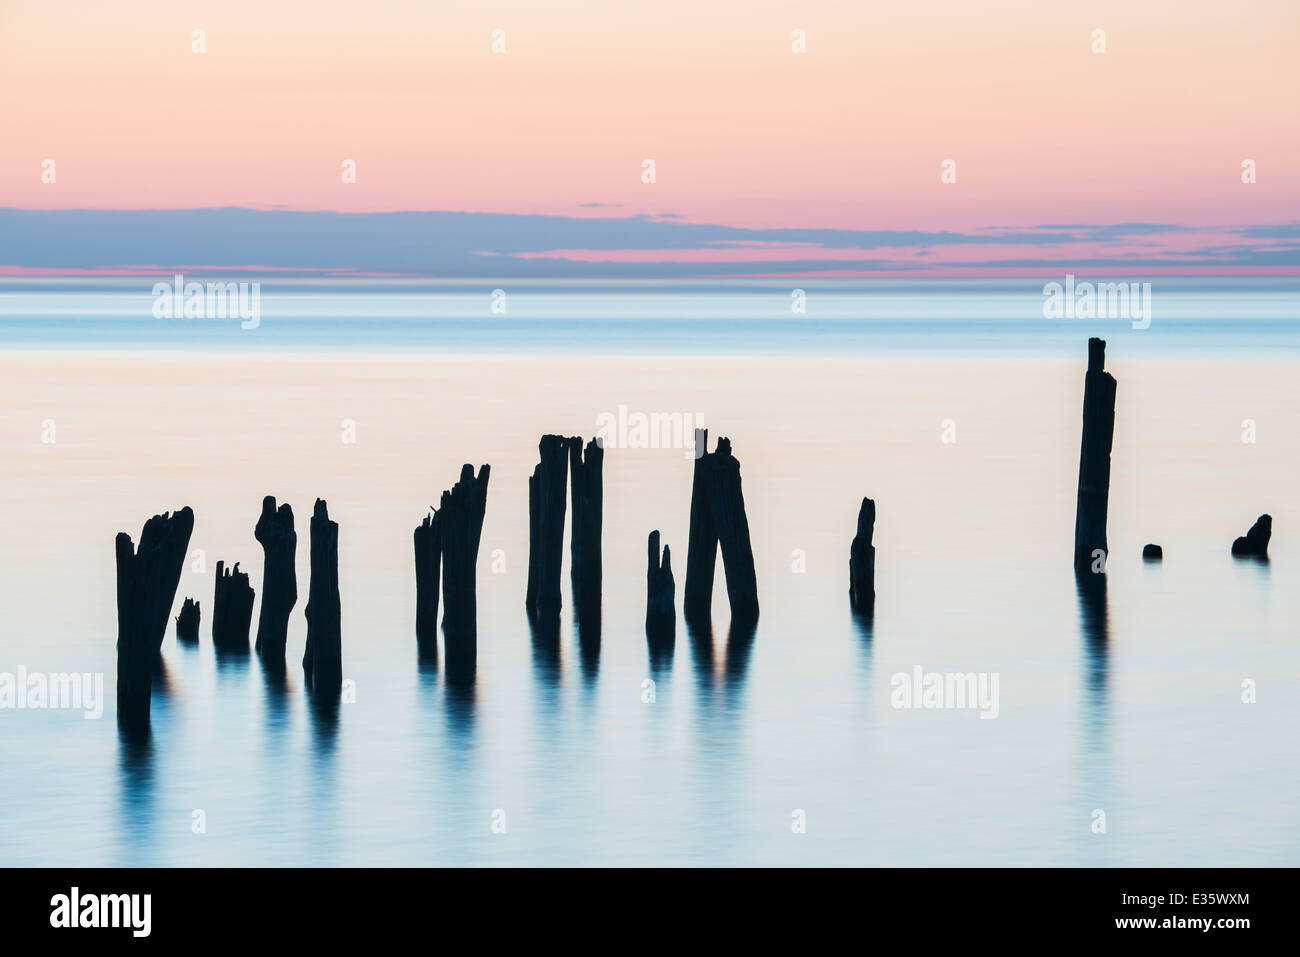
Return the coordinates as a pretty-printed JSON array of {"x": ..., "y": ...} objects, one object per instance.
[{"x": 744, "y": 133}]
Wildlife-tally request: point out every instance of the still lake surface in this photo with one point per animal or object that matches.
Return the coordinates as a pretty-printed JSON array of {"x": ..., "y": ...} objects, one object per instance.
[{"x": 1134, "y": 708}]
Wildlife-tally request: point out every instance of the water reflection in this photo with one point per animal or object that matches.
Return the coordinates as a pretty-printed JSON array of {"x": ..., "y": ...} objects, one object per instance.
[
  {"x": 1094, "y": 623},
  {"x": 324, "y": 711},
  {"x": 586, "y": 625},
  {"x": 864, "y": 623},
  {"x": 546, "y": 651},
  {"x": 136, "y": 789}
]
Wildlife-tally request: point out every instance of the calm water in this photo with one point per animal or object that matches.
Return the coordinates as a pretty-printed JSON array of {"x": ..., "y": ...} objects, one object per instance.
[{"x": 1134, "y": 709}]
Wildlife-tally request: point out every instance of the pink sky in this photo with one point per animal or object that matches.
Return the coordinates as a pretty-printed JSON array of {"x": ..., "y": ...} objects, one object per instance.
[{"x": 743, "y": 131}]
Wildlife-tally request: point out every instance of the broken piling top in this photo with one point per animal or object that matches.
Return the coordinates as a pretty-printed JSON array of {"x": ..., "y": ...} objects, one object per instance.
[
  {"x": 463, "y": 506},
  {"x": 153, "y": 570},
  {"x": 1255, "y": 542},
  {"x": 1095, "y": 445},
  {"x": 1096, "y": 354}
]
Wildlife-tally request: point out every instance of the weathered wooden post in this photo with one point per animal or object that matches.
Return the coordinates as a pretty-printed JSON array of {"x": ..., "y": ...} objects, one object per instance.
[
  {"x": 718, "y": 519},
  {"x": 587, "y": 493},
  {"x": 147, "y": 579},
  {"x": 701, "y": 540},
  {"x": 232, "y": 609},
  {"x": 1090, "y": 550},
  {"x": 187, "y": 622},
  {"x": 546, "y": 488},
  {"x": 428, "y": 564},
  {"x": 274, "y": 531},
  {"x": 322, "y": 662},
  {"x": 462, "y": 510},
  {"x": 660, "y": 613},
  {"x": 862, "y": 562}
]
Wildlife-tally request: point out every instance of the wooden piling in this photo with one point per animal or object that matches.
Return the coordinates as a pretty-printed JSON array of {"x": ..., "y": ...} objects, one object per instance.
[
  {"x": 718, "y": 520},
  {"x": 147, "y": 579},
  {"x": 275, "y": 532},
  {"x": 1094, "y": 462},
  {"x": 862, "y": 561},
  {"x": 187, "y": 622},
  {"x": 587, "y": 495},
  {"x": 546, "y": 488},
  {"x": 322, "y": 662},
  {"x": 232, "y": 609},
  {"x": 461, "y": 512},
  {"x": 660, "y": 612}
]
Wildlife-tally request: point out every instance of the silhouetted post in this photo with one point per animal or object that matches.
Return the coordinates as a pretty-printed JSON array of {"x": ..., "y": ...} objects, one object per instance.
[
  {"x": 585, "y": 477},
  {"x": 147, "y": 578},
  {"x": 232, "y": 609},
  {"x": 1255, "y": 542},
  {"x": 1094, "y": 460},
  {"x": 1152, "y": 553},
  {"x": 274, "y": 530},
  {"x": 718, "y": 519},
  {"x": 461, "y": 514},
  {"x": 187, "y": 622},
  {"x": 862, "y": 562},
  {"x": 660, "y": 613},
  {"x": 702, "y": 539},
  {"x": 323, "y": 660},
  {"x": 546, "y": 489},
  {"x": 428, "y": 562}
]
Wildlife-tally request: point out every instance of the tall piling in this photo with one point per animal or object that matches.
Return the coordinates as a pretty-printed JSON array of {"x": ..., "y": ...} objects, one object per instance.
[
  {"x": 322, "y": 662},
  {"x": 1090, "y": 549},
  {"x": 718, "y": 520},
  {"x": 862, "y": 561},
  {"x": 587, "y": 497},
  {"x": 275, "y": 533},
  {"x": 461, "y": 514},
  {"x": 546, "y": 494},
  {"x": 147, "y": 579}
]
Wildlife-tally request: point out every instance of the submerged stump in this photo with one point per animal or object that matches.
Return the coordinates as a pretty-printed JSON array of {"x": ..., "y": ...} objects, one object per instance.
[
  {"x": 187, "y": 622},
  {"x": 232, "y": 609},
  {"x": 147, "y": 578},
  {"x": 274, "y": 531},
  {"x": 862, "y": 561},
  {"x": 660, "y": 612},
  {"x": 1254, "y": 543},
  {"x": 322, "y": 662},
  {"x": 1090, "y": 550}
]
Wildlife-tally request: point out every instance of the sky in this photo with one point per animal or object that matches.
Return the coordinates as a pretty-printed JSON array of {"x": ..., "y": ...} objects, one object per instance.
[{"x": 765, "y": 159}]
